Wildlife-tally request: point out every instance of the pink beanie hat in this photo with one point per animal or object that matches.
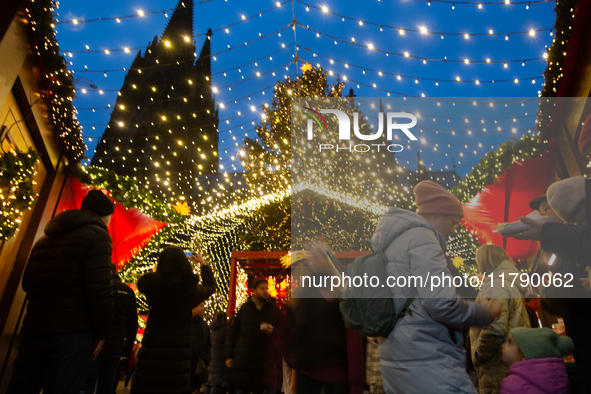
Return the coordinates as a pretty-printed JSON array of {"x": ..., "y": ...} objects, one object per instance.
[{"x": 431, "y": 198}]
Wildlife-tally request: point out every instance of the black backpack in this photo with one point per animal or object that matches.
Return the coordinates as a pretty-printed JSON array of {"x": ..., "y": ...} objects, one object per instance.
[{"x": 370, "y": 310}]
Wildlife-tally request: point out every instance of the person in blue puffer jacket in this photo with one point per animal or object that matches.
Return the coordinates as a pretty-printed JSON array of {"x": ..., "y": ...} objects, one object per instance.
[{"x": 424, "y": 353}]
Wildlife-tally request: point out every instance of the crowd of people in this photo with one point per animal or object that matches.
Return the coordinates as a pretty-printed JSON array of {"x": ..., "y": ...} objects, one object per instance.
[{"x": 81, "y": 320}]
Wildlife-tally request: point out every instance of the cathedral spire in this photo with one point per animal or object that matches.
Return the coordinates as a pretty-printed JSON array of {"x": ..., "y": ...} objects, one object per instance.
[
  {"x": 203, "y": 63},
  {"x": 180, "y": 24}
]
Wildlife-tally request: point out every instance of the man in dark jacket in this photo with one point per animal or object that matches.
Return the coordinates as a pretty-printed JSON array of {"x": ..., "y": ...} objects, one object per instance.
[
  {"x": 250, "y": 348},
  {"x": 201, "y": 347},
  {"x": 70, "y": 305},
  {"x": 119, "y": 344}
]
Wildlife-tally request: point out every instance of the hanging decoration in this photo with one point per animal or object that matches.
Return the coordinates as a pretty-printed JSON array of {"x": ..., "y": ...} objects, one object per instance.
[
  {"x": 17, "y": 173},
  {"x": 58, "y": 79}
]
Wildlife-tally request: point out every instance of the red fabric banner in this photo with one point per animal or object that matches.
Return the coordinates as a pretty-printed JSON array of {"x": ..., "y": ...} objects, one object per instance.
[
  {"x": 130, "y": 229},
  {"x": 506, "y": 200}
]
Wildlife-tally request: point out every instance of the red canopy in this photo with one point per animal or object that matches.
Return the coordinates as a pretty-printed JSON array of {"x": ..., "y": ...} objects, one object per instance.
[
  {"x": 506, "y": 200},
  {"x": 130, "y": 229}
]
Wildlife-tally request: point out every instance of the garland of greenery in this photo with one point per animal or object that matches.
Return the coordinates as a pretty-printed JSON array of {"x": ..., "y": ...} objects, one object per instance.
[
  {"x": 126, "y": 192},
  {"x": 17, "y": 170},
  {"x": 556, "y": 54},
  {"x": 554, "y": 72},
  {"x": 59, "y": 82}
]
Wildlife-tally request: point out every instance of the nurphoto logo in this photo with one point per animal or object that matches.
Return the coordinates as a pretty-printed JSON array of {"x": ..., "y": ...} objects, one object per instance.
[{"x": 345, "y": 130}]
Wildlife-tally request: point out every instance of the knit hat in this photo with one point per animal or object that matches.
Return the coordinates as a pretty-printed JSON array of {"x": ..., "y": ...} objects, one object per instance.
[
  {"x": 97, "y": 202},
  {"x": 568, "y": 199},
  {"x": 541, "y": 343},
  {"x": 432, "y": 198},
  {"x": 585, "y": 137}
]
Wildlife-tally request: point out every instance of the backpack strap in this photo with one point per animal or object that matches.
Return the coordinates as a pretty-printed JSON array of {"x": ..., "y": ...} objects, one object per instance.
[
  {"x": 373, "y": 246},
  {"x": 406, "y": 307}
]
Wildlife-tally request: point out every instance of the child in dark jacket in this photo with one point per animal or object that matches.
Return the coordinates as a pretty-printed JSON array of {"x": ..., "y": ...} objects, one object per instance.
[{"x": 534, "y": 357}]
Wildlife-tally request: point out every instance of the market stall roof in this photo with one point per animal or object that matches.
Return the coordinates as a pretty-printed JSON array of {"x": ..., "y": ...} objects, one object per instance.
[
  {"x": 268, "y": 263},
  {"x": 130, "y": 229},
  {"x": 506, "y": 200}
]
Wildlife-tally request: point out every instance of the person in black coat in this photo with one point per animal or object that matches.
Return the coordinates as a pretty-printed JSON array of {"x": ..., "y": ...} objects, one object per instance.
[
  {"x": 164, "y": 361},
  {"x": 70, "y": 305},
  {"x": 201, "y": 347},
  {"x": 250, "y": 348},
  {"x": 119, "y": 343},
  {"x": 217, "y": 381}
]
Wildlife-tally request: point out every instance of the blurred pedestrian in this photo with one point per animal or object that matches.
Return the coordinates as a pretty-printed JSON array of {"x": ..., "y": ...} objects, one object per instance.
[
  {"x": 70, "y": 305},
  {"x": 118, "y": 345},
  {"x": 217, "y": 381},
  {"x": 486, "y": 341},
  {"x": 164, "y": 361},
  {"x": 201, "y": 349},
  {"x": 327, "y": 356}
]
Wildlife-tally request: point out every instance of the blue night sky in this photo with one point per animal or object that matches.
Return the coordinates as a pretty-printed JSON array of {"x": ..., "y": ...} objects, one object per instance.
[{"x": 434, "y": 77}]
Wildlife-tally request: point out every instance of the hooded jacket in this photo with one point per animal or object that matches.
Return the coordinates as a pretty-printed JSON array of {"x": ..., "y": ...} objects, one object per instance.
[
  {"x": 536, "y": 376},
  {"x": 68, "y": 278},
  {"x": 423, "y": 354},
  {"x": 164, "y": 361},
  {"x": 218, "y": 373},
  {"x": 486, "y": 342}
]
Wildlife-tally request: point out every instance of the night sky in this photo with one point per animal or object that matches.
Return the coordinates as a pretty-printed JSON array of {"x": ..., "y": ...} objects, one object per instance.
[{"x": 375, "y": 45}]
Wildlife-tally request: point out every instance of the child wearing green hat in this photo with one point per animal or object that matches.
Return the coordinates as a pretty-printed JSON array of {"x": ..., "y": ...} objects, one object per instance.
[{"x": 534, "y": 357}]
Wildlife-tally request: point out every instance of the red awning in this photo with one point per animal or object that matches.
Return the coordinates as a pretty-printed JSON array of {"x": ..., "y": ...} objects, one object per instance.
[
  {"x": 506, "y": 200},
  {"x": 130, "y": 229}
]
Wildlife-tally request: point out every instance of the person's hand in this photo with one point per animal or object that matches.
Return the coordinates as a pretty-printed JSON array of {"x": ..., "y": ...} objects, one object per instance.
[
  {"x": 494, "y": 309},
  {"x": 586, "y": 283},
  {"x": 199, "y": 259},
  {"x": 534, "y": 233},
  {"x": 269, "y": 328},
  {"x": 229, "y": 363},
  {"x": 97, "y": 349}
]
